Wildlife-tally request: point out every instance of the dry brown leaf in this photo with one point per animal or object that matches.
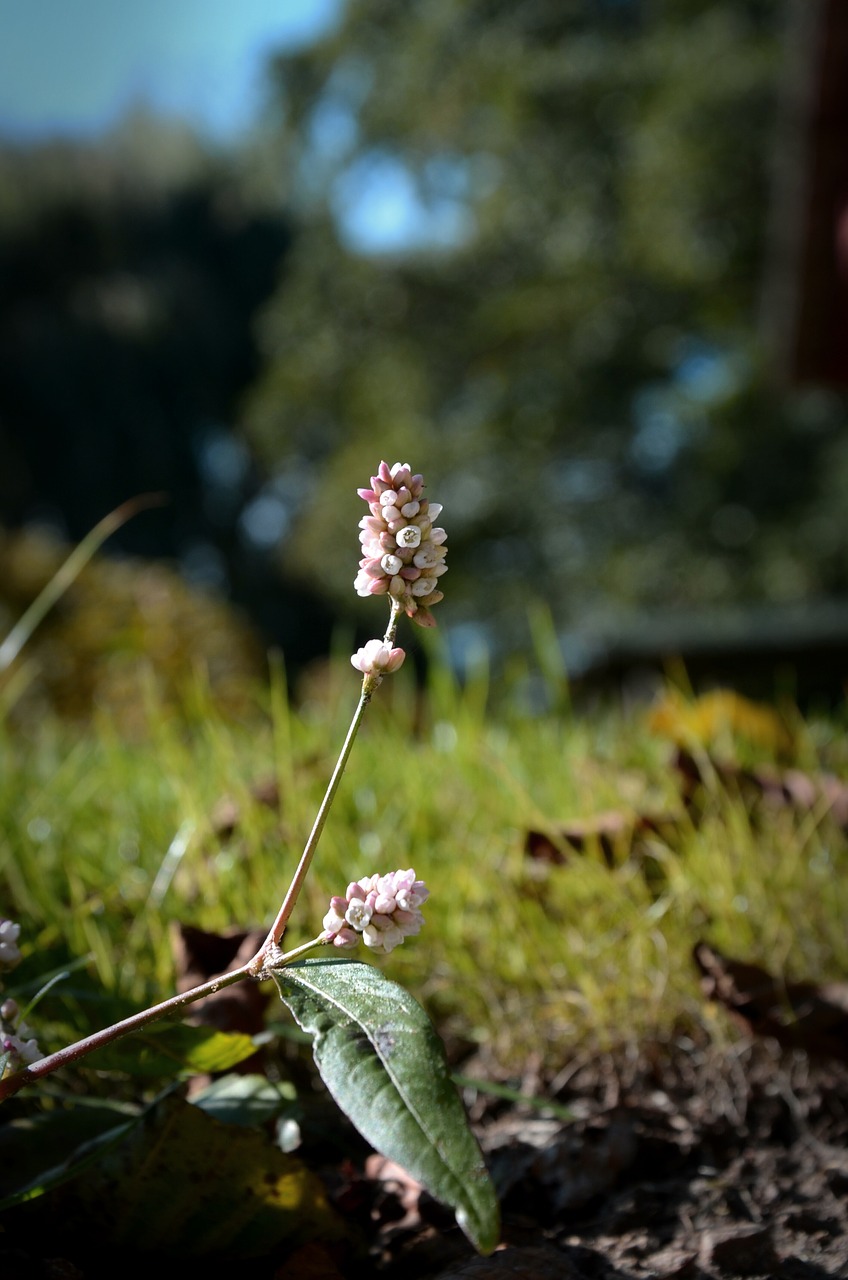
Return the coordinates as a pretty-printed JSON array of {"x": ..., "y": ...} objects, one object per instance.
[
  {"x": 804, "y": 1015},
  {"x": 227, "y": 813},
  {"x": 200, "y": 956},
  {"x": 614, "y": 833},
  {"x": 774, "y": 788}
]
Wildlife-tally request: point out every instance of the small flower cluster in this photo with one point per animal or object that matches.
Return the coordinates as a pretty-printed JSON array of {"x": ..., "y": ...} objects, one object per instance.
[
  {"x": 404, "y": 556},
  {"x": 377, "y": 658},
  {"x": 381, "y": 910},
  {"x": 10, "y": 954},
  {"x": 18, "y": 1047}
]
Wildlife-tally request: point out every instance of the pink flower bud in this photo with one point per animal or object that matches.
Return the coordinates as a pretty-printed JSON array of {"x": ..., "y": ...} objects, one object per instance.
[
  {"x": 334, "y": 920},
  {"x": 346, "y": 938},
  {"x": 377, "y": 658},
  {"x": 382, "y": 910},
  {"x": 400, "y": 546},
  {"x": 409, "y": 921}
]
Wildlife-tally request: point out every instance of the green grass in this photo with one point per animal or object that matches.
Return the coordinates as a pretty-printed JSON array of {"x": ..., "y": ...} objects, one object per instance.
[{"x": 515, "y": 954}]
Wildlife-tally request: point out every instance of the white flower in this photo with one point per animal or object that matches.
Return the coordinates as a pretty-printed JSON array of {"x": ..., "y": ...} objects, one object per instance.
[
  {"x": 10, "y": 954},
  {"x": 409, "y": 536},
  {"x": 358, "y": 915}
]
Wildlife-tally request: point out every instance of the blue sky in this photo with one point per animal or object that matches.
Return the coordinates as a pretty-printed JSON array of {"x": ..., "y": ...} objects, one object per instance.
[{"x": 74, "y": 67}]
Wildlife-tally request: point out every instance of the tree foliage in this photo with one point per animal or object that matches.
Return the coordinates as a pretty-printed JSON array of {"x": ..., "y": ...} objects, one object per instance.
[{"x": 564, "y": 333}]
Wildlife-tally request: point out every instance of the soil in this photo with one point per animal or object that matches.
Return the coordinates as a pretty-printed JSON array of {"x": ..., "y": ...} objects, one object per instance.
[
  {"x": 676, "y": 1162},
  {"x": 684, "y": 1163}
]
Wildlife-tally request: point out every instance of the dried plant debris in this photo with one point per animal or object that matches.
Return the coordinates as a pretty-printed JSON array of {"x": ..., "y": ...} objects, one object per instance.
[{"x": 805, "y": 1015}]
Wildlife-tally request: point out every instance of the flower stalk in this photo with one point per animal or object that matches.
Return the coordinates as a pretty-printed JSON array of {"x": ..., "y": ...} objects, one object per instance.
[{"x": 403, "y": 558}]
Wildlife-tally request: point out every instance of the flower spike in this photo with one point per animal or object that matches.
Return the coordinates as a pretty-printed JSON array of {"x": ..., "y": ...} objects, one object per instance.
[
  {"x": 18, "y": 1047},
  {"x": 403, "y": 554},
  {"x": 379, "y": 910}
]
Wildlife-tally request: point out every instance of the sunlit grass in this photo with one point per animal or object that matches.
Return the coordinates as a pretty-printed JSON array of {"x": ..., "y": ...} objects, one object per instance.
[{"x": 104, "y": 842}]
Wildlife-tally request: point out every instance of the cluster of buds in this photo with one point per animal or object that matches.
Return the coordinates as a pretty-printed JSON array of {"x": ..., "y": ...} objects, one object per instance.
[
  {"x": 403, "y": 554},
  {"x": 381, "y": 910},
  {"x": 377, "y": 659},
  {"x": 18, "y": 1047}
]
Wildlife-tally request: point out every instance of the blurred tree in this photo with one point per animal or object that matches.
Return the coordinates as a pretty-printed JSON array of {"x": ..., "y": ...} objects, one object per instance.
[
  {"x": 130, "y": 271},
  {"x": 529, "y": 250}
]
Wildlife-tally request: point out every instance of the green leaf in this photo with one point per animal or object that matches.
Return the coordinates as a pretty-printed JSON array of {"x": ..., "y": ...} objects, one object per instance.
[
  {"x": 185, "y": 1185},
  {"x": 168, "y": 1049},
  {"x": 384, "y": 1064},
  {"x": 39, "y": 1153},
  {"x": 245, "y": 1100}
]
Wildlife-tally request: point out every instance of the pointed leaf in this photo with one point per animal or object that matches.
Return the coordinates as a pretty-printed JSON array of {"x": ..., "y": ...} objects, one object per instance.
[
  {"x": 167, "y": 1049},
  {"x": 41, "y": 1152},
  {"x": 245, "y": 1100},
  {"x": 384, "y": 1064},
  {"x": 182, "y": 1185}
]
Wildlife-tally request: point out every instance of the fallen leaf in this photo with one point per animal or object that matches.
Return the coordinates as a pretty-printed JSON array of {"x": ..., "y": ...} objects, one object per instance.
[
  {"x": 227, "y": 813},
  {"x": 805, "y": 1015},
  {"x": 741, "y": 1251},
  {"x": 774, "y": 788},
  {"x": 400, "y": 1193},
  {"x": 187, "y": 1185},
  {"x": 615, "y": 834},
  {"x": 717, "y": 715},
  {"x": 550, "y": 1168},
  {"x": 200, "y": 956}
]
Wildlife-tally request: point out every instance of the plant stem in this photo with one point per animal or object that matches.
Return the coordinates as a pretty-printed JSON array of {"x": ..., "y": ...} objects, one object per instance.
[
  {"x": 391, "y": 629},
  {"x": 290, "y": 956},
  {"x": 72, "y": 1052},
  {"x": 278, "y": 927},
  {"x": 369, "y": 684},
  {"x": 268, "y": 952}
]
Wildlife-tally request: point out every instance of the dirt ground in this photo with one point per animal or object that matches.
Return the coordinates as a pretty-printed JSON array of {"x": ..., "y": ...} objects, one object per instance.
[
  {"x": 680, "y": 1163},
  {"x": 676, "y": 1162}
]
